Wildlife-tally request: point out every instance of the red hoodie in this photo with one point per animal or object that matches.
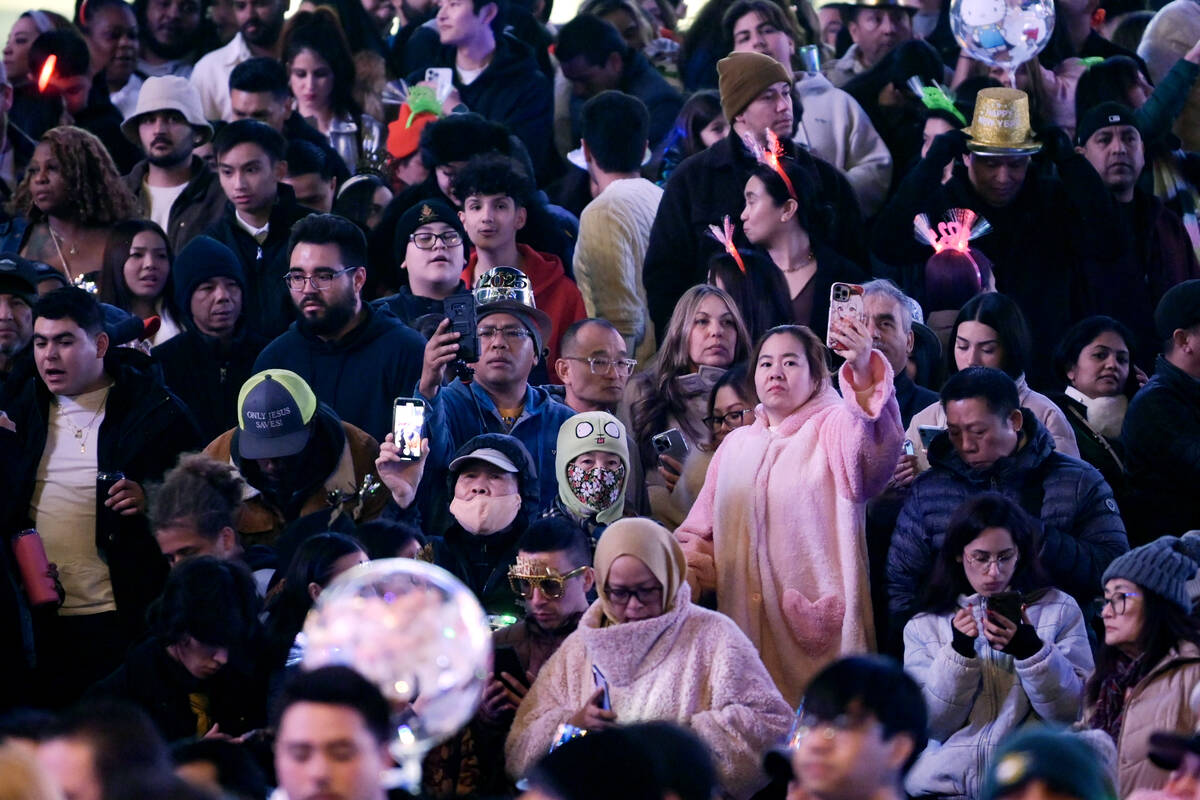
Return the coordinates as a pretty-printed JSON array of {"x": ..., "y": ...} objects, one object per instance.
[{"x": 553, "y": 292}]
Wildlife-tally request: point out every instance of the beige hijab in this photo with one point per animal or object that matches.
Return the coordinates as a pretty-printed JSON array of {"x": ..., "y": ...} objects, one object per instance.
[{"x": 650, "y": 543}]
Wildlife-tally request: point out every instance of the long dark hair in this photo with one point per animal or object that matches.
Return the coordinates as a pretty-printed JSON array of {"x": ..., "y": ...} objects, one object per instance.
[
  {"x": 970, "y": 519},
  {"x": 1000, "y": 313},
  {"x": 812, "y": 214},
  {"x": 1164, "y": 625},
  {"x": 113, "y": 288},
  {"x": 760, "y": 292},
  {"x": 734, "y": 378},
  {"x": 290, "y": 601},
  {"x": 321, "y": 32}
]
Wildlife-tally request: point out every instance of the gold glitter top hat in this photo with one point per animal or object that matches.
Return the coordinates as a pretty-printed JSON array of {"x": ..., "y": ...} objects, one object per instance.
[{"x": 1000, "y": 125}]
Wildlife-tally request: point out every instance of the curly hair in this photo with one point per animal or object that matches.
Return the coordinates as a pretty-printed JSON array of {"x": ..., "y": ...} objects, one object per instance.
[{"x": 97, "y": 198}]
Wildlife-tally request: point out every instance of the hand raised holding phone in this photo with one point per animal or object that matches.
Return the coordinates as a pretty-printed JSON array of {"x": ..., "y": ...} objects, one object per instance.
[
  {"x": 401, "y": 476},
  {"x": 440, "y": 350}
]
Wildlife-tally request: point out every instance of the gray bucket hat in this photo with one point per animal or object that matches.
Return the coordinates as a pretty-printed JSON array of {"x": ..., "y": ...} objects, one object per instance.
[{"x": 168, "y": 92}]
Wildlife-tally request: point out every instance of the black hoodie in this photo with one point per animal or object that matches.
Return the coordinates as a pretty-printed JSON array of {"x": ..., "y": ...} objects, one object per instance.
[
  {"x": 513, "y": 91},
  {"x": 360, "y": 375}
]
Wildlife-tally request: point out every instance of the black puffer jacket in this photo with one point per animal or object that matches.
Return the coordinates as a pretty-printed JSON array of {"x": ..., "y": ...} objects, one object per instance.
[{"x": 1081, "y": 533}]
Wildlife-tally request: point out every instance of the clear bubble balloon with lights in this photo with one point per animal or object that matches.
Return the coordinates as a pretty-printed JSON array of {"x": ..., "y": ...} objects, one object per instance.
[
  {"x": 416, "y": 632},
  {"x": 1002, "y": 33}
]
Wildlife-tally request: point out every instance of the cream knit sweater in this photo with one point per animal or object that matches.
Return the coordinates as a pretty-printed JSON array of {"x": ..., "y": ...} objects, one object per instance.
[{"x": 614, "y": 230}]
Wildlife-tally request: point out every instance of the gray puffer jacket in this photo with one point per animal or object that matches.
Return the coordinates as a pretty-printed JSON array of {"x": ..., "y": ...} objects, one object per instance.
[
  {"x": 975, "y": 702},
  {"x": 1081, "y": 533}
]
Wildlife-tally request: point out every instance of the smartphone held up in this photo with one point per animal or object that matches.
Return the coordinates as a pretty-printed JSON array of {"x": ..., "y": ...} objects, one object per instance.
[
  {"x": 408, "y": 427},
  {"x": 845, "y": 302}
]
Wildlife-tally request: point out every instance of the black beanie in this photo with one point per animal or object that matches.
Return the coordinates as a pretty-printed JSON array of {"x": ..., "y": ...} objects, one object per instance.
[{"x": 202, "y": 259}]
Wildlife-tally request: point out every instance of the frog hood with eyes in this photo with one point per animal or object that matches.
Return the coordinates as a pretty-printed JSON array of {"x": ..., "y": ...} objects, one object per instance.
[{"x": 594, "y": 492}]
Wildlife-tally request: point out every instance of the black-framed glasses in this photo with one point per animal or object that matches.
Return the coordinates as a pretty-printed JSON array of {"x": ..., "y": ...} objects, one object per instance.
[
  {"x": 551, "y": 585},
  {"x": 320, "y": 280},
  {"x": 620, "y": 595},
  {"x": 427, "y": 240},
  {"x": 513, "y": 336},
  {"x": 734, "y": 419},
  {"x": 601, "y": 366},
  {"x": 1118, "y": 602}
]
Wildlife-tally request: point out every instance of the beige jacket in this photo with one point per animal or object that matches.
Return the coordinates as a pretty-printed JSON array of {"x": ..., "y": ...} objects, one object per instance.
[{"x": 1161, "y": 701}]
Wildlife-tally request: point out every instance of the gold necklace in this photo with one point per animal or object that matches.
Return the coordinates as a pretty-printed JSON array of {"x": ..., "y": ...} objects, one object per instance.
[
  {"x": 811, "y": 257},
  {"x": 54, "y": 237},
  {"x": 78, "y": 432}
]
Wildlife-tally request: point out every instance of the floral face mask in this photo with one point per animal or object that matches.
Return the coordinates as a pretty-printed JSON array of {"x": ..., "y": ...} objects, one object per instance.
[{"x": 598, "y": 488}]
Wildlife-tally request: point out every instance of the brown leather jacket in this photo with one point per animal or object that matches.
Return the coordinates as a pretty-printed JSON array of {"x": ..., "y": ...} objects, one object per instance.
[{"x": 260, "y": 522}]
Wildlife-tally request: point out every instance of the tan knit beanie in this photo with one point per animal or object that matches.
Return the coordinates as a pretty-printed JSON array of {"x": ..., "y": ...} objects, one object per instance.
[{"x": 741, "y": 77}]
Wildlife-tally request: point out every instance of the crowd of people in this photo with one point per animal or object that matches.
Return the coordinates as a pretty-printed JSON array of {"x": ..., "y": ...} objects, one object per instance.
[{"x": 813, "y": 411}]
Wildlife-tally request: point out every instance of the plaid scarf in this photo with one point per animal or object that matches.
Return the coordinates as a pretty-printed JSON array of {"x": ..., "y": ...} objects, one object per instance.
[{"x": 1110, "y": 704}]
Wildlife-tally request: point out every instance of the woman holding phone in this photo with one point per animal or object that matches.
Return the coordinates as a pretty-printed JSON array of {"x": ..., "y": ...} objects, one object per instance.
[
  {"x": 790, "y": 227},
  {"x": 704, "y": 338},
  {"x": 993, "y": 647},
  {"x": 778, "y": 530},
  {"x": 643, "y": 652}
]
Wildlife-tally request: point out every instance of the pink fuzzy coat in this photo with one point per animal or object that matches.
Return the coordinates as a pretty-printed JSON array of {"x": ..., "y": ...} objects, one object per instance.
[
  {"x": 779, "y": 528},
  {"x": 690, "y": 666}
]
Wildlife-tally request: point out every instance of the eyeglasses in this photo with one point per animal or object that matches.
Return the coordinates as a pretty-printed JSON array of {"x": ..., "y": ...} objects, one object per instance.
[
  {"x": 984, "y": 560},
  {"x": 320, "y": 280},
  {"x": 805, "y": 724},
  {"x": 601, "y": 366},
  {"x": 734, "y": 419},
  {"x": 619, "y": 595},
  {"x": 513, "y": 336},
  {"x": 427, "y": 240},
  {"x": 1118, "y": 602},
  {"x": 552, "y": 585}
]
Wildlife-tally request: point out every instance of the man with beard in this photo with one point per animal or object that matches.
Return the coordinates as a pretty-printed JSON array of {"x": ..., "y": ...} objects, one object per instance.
[
  {"x": 357, "y": 359},
  {"x": 169, "y": 36},
  {"x": 260, "y": 22},
  {"x": 172, "y": 187}
]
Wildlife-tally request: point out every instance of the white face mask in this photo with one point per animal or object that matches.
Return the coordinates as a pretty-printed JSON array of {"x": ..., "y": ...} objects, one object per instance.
[{"x": 485, "y": 514}]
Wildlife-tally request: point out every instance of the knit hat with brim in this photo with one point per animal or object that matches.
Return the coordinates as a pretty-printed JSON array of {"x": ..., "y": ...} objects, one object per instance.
[
  {"x": 1163, "y": 567},
  {"x": 741, "y": 77}
]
